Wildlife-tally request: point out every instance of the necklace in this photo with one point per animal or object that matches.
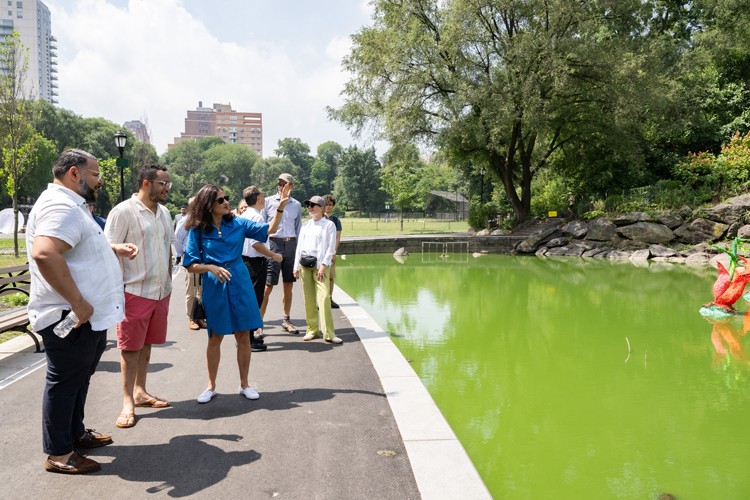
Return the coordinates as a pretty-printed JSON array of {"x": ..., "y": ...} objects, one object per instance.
[{"x": 218, "y": 229}]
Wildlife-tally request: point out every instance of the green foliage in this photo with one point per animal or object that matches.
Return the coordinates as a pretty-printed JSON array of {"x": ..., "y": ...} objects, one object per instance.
[
  {"x": 15, "y": 299},
  {"x": 593, "y": 214},
  {"x": 480, "y": 214},
  {"x": 359, "y": 181}
]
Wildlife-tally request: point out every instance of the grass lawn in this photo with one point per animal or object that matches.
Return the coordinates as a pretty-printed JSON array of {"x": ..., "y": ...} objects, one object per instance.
[{"x": 353, "y": 226}]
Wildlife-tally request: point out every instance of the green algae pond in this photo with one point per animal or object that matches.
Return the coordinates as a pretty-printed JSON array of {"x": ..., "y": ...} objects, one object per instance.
[{"x": 570, "y": 378}]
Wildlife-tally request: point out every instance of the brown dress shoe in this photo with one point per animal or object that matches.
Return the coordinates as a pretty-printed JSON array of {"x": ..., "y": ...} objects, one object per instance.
[
  {"x": 193, "y": 325},
  {"x": 76, "y": 464},
  {"x": 92, "y": 439},
  {"x": 202, "y": 323}
]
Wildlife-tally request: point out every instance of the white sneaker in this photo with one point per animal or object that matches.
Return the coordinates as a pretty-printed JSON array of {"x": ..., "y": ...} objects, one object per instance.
[
  {"x": 206, "y": 396},
  {"x": 258, "y": 333},
  {"x": 311, "y": 336},
  {"x": 249, "y": 393},
  {"x": 335, "y": 340}
]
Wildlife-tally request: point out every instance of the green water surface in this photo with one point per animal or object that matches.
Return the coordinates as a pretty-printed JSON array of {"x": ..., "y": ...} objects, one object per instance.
[{"x": 572, "y": 379}]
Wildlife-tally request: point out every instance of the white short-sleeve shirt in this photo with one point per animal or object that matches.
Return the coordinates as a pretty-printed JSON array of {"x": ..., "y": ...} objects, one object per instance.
[
  {"x": 255, "y": 216},
  {"x": 149, "y": 274},
  {"x": 63, "y": 214}
]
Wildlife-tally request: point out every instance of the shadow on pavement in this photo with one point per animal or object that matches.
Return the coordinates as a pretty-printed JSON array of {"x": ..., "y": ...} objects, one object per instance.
[
  {"x": 168, "y": 463},
  {"x": 226, "y": 405},
  {"x": 114, "y": 367}
]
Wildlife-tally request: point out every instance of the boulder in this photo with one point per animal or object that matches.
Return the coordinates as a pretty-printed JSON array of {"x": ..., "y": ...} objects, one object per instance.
[
  {"x": 670, "y": 219},
  {"x": 557, "y": 252},
  {"x": 557, "y": 242},
  {"x": 576, "y": 229},
  {"x": 725, "y": 213},
  {"x": 742, "y": 201},
  {"x": 640, "y": 255},
  {"x": 660, "y": 251},
  {"x": 676, "y": 260},
  {"x": 541, "y": 252},
  {"x": 592, "y": 252},
  {"x": 722, "y": 257},
  {"x": 700, "y": 230},
  {"x": 499, "y": 232},
  {"x": 531, "y": 243},
  {"x": 685, "y": 212},
  {"x": 732, "y": 230},
  {"x": 601, "y": 229},
  {"x": 619, "y": 255},
  {"x": 744, "y": 232},
  {"x": 401, "y": 252},
  {"x": 647, "y": 232},
  {"x": 483, "y": 232},
  {"x": 699, "y": 258},
  {"x": 632, "y": 218}
]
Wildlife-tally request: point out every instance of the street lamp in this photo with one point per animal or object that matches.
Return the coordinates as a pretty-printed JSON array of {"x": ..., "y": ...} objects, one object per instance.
[
  {"x": 481, "y": 191},
  {"x": 120, "y": 140}
]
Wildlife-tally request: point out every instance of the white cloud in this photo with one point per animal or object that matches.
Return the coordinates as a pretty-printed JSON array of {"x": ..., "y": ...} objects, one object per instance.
[{"x": 153, "y": 58}]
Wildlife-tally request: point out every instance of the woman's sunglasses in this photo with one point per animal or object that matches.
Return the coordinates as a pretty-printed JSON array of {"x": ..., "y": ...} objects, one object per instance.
[{"x": 222, "y": 199}]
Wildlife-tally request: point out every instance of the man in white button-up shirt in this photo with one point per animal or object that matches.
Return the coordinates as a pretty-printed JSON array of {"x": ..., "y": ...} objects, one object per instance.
[
  {"x": 73, "y": 268},
  {"x": 144, "y": 221}
]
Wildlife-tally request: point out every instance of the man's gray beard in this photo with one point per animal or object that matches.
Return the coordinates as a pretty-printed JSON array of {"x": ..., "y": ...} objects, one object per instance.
[{"x": 87, "y": 192}]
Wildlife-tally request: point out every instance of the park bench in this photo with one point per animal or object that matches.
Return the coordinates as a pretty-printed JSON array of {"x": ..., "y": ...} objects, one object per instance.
[{"x": 16, "y": 279}]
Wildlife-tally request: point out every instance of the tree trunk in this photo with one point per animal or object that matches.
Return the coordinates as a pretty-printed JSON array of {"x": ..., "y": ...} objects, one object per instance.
[{"x": 15, "y": 225}]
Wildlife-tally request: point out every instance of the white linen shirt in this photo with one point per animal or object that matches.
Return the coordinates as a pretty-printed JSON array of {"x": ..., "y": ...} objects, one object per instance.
[
  {"x": 149, "y": 274},
  {"x": 247, "y": 249},
  {"x": 318, "y": 239},
  {"x": 63, "y": 214}
]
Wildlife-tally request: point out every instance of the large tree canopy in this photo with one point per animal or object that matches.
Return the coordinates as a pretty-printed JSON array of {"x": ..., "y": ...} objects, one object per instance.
[{"x": 501, "y": 83}]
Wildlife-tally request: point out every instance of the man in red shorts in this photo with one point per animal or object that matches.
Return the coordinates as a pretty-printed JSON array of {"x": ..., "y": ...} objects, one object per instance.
[{"x": 143, "y": 221}]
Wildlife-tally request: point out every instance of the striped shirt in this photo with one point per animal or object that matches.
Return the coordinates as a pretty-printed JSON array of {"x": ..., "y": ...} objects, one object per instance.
[{"x": 149, "y": 275}]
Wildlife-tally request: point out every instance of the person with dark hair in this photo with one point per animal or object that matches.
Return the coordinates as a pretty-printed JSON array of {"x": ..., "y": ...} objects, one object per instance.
[
  {"x": 145, "y": 222},
  {"x": 315, "y": 249},
  {"x": 255, "y": 254},
  {"x": 330, "y": 203},
  {"x": 74, "y": 270},
  {"x": 99, "y": 220},
  {"x": 214, "y": 250}
]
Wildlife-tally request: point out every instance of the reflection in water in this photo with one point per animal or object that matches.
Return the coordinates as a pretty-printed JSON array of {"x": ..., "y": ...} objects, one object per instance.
[
  {"x": 725, "y": 336},
  {"x": 525, "y": 358}
]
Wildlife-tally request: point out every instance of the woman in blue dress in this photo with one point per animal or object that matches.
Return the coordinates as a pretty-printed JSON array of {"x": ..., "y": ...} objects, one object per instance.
[{"x": 214, "y": 249}]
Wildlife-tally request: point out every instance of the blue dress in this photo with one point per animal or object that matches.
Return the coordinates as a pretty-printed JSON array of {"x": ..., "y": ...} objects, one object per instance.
[{"x": 230, "y": 306}]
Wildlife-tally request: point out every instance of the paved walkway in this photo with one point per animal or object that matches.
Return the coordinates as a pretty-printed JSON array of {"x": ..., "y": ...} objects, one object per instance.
[{"x": 333, "y": 422}]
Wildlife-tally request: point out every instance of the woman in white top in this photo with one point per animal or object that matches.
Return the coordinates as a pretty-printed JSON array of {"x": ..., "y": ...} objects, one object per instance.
[{"x": 316, "y": 247}]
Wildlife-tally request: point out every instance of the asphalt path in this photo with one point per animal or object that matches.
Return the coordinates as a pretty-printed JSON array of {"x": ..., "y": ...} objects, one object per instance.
[{"x": 322, "y": 428}]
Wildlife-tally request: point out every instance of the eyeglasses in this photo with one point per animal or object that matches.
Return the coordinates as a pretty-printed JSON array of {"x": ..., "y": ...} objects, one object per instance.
[
  {"x": 96, "y": 173},
  {"x": 165, "y": 184},
  {"x": 222, "y": 199}
]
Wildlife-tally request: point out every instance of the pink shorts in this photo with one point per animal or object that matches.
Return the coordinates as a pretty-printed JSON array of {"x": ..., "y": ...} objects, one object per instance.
[{"x": 145, "y": 322}]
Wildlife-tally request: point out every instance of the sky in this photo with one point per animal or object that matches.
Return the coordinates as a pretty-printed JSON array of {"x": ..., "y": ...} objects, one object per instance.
[{"x": 152, "y": 60}]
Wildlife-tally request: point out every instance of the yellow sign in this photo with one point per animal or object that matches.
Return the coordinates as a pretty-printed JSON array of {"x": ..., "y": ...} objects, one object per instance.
[{"x": 552, "y": 213}]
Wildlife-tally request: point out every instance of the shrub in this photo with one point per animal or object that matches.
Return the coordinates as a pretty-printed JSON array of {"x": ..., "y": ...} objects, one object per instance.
[
  {"x": 15, "y": 300},
  {"x": 480, "y": 214}
]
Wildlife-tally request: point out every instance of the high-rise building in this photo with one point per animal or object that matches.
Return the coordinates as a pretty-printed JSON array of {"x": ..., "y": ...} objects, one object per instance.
[
  {"x": 31, "y": 19},
  {"x": 235, "y": 127},
  {"x": 139, "y": 130}
]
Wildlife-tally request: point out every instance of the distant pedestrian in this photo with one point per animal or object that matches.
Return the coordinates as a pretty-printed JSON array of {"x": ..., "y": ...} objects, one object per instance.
[
  {"x": 144, "y": 221},
  {"x": 214, "y": 250},
  {"x": 65, "y": 246},
  {"x": 99, "y": 220},
  {"x": 180, "y": 215},
  {"x": 192, "y": 281},
  {"x": 316, "y": 247},
  {"x": 330, "y": 203}
]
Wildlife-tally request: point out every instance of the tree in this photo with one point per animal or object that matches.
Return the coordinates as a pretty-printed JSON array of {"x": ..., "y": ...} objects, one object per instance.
[
  {"x": 401, "y": 175},
  {"x": 231, "y": 166},
  {"x": 298, "y": 153},
  {"x": 321, "y": 177},
  {"x": 358, "y": 183},
  {"x": 265, "y": 174},
  {"x": 330, "y": 153},
  {"x": 19, "y": 142},
  {"x": 499, "y": 83}
]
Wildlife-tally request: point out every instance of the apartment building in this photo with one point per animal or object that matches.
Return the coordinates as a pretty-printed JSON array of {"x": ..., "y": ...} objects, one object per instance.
[
  {"x": 31, "y": 19},
  {"x": 220, "y": 120},
  {"x": 139, "y": 130}
]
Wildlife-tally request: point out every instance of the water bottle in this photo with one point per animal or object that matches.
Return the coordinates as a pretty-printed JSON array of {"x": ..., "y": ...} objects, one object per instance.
[{"x": 64, "y": 327}]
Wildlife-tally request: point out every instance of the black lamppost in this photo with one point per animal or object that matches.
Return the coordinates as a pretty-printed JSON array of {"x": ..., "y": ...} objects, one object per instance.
[
  {"x": 120, "y": 140},
  {"x": 481, "y": 191}
]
